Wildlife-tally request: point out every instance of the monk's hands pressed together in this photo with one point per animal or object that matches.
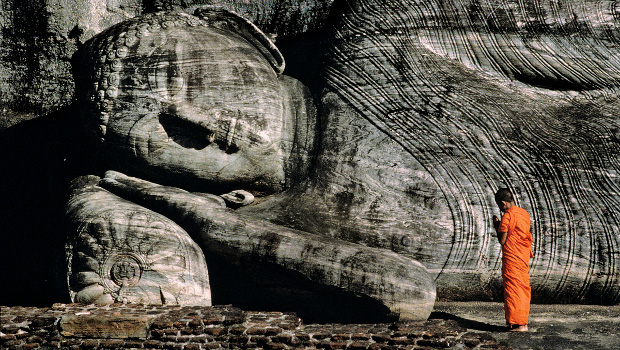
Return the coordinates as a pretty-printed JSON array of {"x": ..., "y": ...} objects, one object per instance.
[{"x": 496, "y": 222}]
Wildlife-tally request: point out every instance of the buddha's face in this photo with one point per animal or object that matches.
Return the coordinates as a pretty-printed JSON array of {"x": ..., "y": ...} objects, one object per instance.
[{"x": 183, "y": 101}]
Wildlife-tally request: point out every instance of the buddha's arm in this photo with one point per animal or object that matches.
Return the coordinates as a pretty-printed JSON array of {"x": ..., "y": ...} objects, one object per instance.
[{"x": 400, "y": 283}]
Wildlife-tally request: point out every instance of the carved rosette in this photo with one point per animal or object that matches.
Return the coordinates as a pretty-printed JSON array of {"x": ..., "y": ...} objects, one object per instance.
[
  {"x": 122, "y": 270},
  {"x": 125, "y": 253}
]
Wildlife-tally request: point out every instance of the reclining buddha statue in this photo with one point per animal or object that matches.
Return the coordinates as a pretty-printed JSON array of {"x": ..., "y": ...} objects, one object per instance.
[{"x": 378, "y": 183}]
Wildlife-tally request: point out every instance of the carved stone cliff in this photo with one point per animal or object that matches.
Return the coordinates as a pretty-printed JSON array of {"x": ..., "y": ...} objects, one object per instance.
[{"x": 424, "y": 109}]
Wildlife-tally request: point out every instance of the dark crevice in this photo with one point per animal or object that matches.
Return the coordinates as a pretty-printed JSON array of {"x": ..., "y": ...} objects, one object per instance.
[{"x": 184, "y": 133}]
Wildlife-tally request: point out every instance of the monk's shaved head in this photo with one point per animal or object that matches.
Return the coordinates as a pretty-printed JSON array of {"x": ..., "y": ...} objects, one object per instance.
[{"x": 504, "y": 195}]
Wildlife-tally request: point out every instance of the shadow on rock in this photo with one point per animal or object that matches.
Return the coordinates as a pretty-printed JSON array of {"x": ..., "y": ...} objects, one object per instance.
[{"x": 469, "y": 324}]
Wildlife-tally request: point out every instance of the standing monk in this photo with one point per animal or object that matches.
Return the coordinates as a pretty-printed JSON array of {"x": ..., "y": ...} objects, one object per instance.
[{"x": 513, "y": 233}]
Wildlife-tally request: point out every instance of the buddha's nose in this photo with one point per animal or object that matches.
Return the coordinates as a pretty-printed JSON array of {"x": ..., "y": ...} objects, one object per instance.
[{"x": 225, "y": 128}]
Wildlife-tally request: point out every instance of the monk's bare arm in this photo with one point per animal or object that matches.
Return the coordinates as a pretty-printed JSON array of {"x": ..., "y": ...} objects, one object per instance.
[{"x": 501, "y": 236}]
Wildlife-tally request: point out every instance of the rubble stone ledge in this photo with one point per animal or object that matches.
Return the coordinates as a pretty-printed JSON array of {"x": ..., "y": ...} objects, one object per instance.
[{"x": 124, "y": 326}]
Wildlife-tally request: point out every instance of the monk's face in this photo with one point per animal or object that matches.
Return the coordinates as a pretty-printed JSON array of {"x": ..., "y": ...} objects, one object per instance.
[
  {"x": 502, "y": 205},
  {"x": 197, "y": 104}
]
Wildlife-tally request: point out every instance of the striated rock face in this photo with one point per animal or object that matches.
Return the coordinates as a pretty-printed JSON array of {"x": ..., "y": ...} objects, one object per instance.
[
  {"x": 415, "y": 138},
  {"x": 468, "y": 97},
  {"x": 280, "y": 18},
  {"x": 38, "y": 39}
]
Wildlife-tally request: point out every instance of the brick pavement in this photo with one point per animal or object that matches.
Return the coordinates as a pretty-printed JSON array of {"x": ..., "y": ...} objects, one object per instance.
[{"x": 118, "y": 326}]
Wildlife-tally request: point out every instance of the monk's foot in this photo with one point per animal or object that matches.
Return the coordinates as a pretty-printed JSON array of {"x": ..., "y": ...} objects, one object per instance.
[{"x": 517, "y": 328}]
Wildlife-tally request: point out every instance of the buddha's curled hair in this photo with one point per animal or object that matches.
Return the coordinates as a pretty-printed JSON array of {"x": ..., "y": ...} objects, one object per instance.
[{"x": 100, "y": 66}]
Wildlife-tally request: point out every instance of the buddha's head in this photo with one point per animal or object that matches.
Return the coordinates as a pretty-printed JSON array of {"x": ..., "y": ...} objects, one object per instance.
[{"x": 194, "y": 101}]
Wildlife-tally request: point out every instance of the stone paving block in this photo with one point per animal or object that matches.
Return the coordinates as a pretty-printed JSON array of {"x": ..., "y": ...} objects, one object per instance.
[
  {"x": 434, "y": 343},
  {"x": 273, "y": 331},
  {"x": 112, "y": 326},
  {"x": 321, "y": 335},
  {"x": 90, "y": 344},
  {"x": 171, "y": 332},
  {"x": 195, "y": 323},
  {"x": 40, "y": 322},
  {"x": 237, "y": 330},
  {"x": 215, "y": 331},
  {"x": 6, "y": 337},
  {"x": 256, "y": 331},
  {"x": 360, "y": 336},
  {"x": 359, "y": 345},
  {"x": 21, "y": 334},
  {"x": 337, "y": 345},
  {"x": 275, "y": 346},
  {"x": 381, "y": 338},
  {"x": 161, "y": 324},
  {"x": 70, "y": 342},
  {"x": 259, "y": 339},
  {"x": 152, "y": 344},
  {"x": 283, "y": 338},
  {"x": 340, "y": 337},
  {"x": 112, "y": 343},
  {"x": 212, "y": 319},
  {"x": 239, "y": 339},
  {"x": 400, "y": 341},
  {"x": 375, "y": 346}
]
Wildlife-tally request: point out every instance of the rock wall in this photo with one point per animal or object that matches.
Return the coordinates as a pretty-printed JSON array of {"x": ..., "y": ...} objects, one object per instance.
[
  {"x": 482, "y": 104},
  {"x": 38, "y": 39}
]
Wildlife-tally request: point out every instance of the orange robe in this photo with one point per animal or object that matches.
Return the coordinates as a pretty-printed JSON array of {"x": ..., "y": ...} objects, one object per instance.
[{"x": 516, "y": 254}]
